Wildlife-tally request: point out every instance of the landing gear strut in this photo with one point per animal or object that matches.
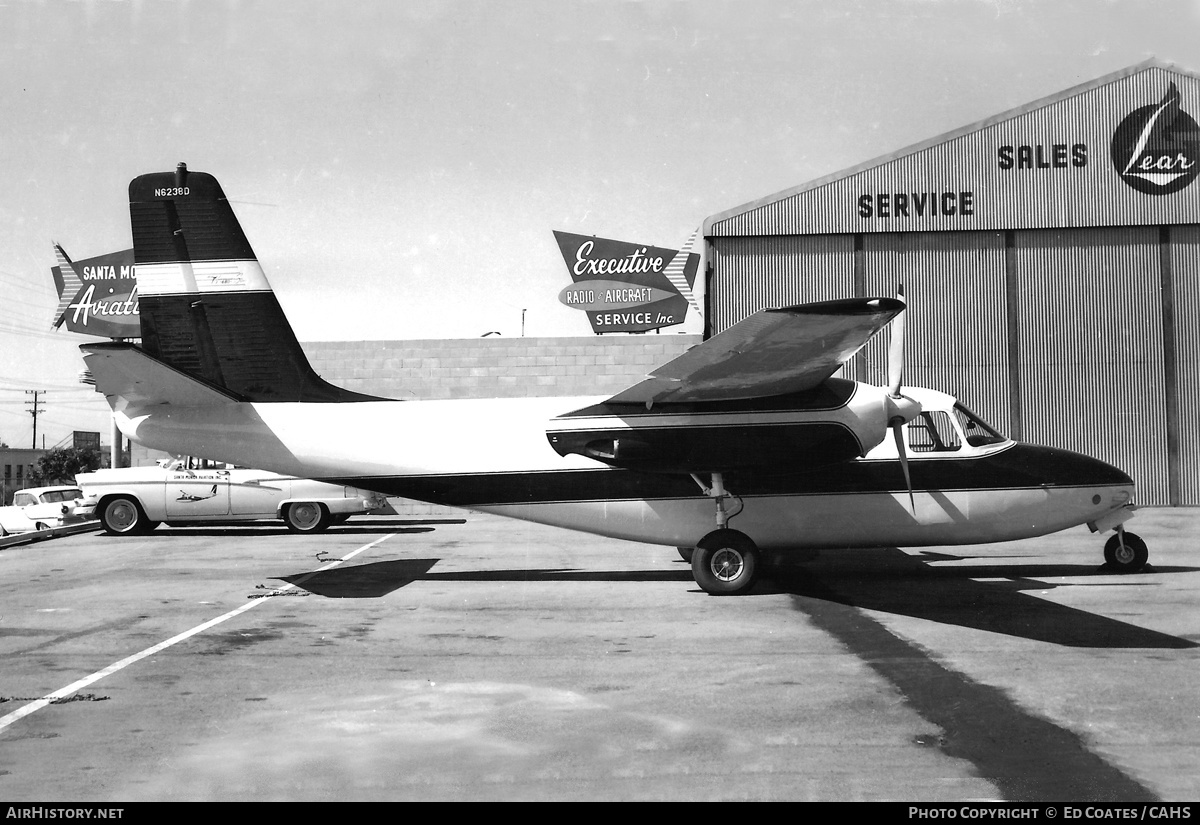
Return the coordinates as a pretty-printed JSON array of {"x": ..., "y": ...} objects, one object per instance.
[{"x": 725, "y": 562}]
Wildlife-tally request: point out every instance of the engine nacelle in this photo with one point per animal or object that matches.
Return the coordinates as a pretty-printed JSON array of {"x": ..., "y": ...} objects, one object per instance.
[{"x": 839, "y": 421}]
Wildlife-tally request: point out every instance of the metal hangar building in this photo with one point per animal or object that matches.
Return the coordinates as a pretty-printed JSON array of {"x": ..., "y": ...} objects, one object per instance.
[{"x": 1050, "y": 256}]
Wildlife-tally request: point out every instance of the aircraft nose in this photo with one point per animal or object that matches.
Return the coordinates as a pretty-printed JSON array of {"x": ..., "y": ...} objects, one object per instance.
[{"x": 1057, "y": 467}]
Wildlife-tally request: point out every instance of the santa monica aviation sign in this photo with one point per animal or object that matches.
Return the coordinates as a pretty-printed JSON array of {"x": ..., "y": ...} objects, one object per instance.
[{"x": 97, "y": 296}]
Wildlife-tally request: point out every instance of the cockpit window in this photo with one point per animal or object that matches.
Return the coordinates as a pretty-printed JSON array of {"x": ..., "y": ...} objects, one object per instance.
[
  {"x": 933, "y": 432},
  {"x": 977, "y": 431}
]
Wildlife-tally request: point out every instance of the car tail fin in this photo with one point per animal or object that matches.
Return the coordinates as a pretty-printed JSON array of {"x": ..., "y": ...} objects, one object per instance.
[{"x": 206, "y": 307}]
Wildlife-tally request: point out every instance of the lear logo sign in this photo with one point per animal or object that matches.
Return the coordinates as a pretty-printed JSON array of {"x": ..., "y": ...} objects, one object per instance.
[
  {"x": 627, "y": 287},
  {"x": 1156, "y": 149},
  {"x": 97, "y": 296}
]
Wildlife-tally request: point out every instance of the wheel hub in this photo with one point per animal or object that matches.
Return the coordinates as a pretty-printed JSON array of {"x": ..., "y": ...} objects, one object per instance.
[
  {"x": 306, "y": 515},
  {"x": 121, "y": 516},
  {"x": 727, "y": 564}
]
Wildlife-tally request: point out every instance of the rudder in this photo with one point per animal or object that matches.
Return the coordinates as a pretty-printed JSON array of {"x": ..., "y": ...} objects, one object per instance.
[{"x": 206, "y": 306}]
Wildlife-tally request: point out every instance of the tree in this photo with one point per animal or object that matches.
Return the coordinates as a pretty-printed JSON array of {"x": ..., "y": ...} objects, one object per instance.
[{"x": 59, "y": 466}]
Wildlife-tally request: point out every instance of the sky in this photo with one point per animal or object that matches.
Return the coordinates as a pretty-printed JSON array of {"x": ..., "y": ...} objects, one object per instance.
[{"x": 399, "y": 167}]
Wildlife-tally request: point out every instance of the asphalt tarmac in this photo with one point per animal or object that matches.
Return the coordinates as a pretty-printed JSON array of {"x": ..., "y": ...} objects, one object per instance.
[{"x": 474, "y": 658}]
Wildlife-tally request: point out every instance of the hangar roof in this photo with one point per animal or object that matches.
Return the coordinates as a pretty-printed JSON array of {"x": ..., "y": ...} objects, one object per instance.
[{"x": 1121, "y": 149}]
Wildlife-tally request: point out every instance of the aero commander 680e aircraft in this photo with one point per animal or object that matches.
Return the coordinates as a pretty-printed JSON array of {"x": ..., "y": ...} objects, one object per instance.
[{"x": 747, "y": 427}]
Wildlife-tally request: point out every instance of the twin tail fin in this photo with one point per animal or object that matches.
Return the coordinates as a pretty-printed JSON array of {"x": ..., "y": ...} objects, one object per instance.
[{"x": 206, "y": 307}]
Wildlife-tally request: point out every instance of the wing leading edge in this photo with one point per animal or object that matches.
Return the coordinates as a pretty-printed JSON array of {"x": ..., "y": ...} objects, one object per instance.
[{"x": 772, "y": 352}]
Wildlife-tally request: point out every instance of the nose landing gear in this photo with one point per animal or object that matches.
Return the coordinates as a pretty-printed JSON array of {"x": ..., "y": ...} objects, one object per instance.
[{"x": 1125, "y": 552}]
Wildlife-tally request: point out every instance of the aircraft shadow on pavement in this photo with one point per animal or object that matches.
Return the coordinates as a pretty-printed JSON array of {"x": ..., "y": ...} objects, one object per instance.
[
  {"x": 376, "y": 579},
  {"x": 998, "y": 598},
  {"x": 362, "y": 581},
  {"x": 280, "y": 529}
]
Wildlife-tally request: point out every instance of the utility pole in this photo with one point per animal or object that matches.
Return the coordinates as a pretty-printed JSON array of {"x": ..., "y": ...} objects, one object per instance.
[{"x": 34, "y": 412}]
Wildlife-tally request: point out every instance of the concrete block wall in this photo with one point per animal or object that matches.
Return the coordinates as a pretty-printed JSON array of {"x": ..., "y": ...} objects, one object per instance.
[{"x": 494, "y": 367}]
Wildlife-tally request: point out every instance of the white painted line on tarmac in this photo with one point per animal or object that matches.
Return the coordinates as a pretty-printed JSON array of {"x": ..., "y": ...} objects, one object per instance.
[{"x": 74, "y": 687}]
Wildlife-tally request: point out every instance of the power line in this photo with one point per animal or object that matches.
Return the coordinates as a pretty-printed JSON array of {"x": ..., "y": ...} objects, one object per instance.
[
  {"x": 23, "y": 283},
  {"x": 34, "y": 412}
]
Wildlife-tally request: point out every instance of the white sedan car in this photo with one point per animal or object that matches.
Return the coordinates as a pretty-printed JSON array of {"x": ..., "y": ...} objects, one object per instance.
[
  {"x": 188, "y": 490},
  {"x": 40, "y": 508}
]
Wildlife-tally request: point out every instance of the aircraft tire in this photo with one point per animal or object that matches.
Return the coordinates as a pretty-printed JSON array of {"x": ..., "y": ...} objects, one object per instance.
[
  {"x": 41, "y": 525},
  {"x": 124, "y": 516},
  {"x": 725, "y": 563},
  {"x": 1128, "y": 559},
  {"x": 685, "y": 553},
  {"x": 307, "y": 517}
]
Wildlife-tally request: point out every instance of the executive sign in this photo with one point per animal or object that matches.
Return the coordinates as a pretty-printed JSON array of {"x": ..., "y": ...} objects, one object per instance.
[{"x": 627, "y": 287}]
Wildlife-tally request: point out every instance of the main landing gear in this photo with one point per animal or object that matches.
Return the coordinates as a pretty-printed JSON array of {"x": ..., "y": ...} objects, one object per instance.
[
  {"x": 725, "y": 562},
  {"x": 1125, "y": 552}
]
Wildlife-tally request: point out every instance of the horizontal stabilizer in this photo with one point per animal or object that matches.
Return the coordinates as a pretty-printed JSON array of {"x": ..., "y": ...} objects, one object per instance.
[
  {"x": 772, "y": 352},
  {"x": 129, "y": 377}
]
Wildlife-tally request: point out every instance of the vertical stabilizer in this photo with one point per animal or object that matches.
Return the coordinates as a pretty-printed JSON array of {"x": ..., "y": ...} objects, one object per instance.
[{"x": 206, "y": 306}]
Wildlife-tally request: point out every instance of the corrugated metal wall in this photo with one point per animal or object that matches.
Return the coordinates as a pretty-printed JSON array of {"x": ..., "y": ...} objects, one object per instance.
[
  {"x": 753, "y": 273},
  {"x": 1184, "y": 263},
  {"x": 955, "y": 282},
  {"x": 1091, "y": 372},
  {"x": 1086, "y": 307},
  {"x": 956, "y": 331}
]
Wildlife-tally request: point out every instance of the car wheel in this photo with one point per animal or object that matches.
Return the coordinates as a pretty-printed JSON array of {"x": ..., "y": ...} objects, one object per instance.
[
  {"x": 306, "y": 517},
  {"x": 124, "y": 516}
]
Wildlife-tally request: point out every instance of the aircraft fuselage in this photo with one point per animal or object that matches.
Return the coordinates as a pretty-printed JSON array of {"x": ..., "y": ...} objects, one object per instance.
[{"x": 495, "y": 456}]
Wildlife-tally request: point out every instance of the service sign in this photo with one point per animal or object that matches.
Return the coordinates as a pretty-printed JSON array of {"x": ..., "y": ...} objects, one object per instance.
[
  {"x": 627, "y": 287},
  {"x": 1123, "y": 150},
  {"x": 97, "y": 296}
]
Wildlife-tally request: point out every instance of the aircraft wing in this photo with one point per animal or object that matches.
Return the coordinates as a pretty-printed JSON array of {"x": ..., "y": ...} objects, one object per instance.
[{"x": 772, "y": 352}]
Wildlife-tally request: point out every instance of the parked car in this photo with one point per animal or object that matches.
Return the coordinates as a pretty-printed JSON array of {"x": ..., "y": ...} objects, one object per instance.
[
  {"x": 40, "y": 508},
  {"x": 189, "y": 490}
]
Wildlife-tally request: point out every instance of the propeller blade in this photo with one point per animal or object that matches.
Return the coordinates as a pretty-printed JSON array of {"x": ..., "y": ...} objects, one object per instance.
[
  {"x": 897, "y": 431},
  {"x": 896, "y": 350}
]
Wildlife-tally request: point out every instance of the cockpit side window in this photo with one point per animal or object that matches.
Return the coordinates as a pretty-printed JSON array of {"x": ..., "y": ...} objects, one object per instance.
[
  {"x": 978, "y": 432},
  {"x": 933, "y": 432}
]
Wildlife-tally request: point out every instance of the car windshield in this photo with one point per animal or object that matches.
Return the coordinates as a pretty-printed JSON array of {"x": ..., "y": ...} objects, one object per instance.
[
  {"x": 978, "y": 432},
  {"x": 51, "y": 496}
]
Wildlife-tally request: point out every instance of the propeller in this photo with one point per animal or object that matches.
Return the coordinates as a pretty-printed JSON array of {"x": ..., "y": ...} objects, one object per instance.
[
  {"x": 901, "y": 408},
  {"x": 896, "y": 348}
]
